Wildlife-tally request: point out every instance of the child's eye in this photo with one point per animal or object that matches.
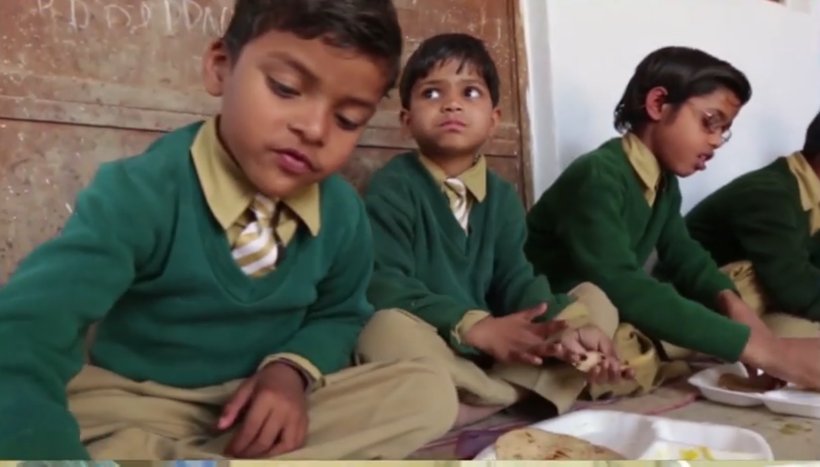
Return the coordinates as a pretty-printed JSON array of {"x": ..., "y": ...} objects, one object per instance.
[
  {"x": 347, "y": 124},
  {"x": 714, "y": 123},
  {"x": 282, "y": 90},
  {"x": 431, "y": 93},
  {"x": 472, "y": 92}
]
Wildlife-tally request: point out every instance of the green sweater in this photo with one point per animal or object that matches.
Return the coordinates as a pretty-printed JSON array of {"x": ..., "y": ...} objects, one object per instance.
[
  {"x": 143, "y": 253},
  {"x": 594, "y": 224},
  {"x": 427, "y": 265},
  {"x": 759, "y": 217}
]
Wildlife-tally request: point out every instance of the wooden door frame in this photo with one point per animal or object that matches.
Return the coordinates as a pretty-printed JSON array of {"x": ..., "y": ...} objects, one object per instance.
[{"x": 519, "y": 49}]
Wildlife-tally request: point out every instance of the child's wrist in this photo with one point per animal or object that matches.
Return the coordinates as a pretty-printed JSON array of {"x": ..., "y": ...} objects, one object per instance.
[{"x": 284, "y": 370}]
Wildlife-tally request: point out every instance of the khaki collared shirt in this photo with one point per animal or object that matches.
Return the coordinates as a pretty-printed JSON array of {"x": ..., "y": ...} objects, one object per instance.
[
  {"x": 809, "y": 185},
  {"x": 474, "y": 178},
  {"x": 645, "y": 165},
  {"x": 229, "y": 194}
]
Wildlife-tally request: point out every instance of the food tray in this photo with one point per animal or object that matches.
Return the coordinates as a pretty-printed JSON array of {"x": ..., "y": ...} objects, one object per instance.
[
  {"x": 786, "y": 401},
  {"x": 707, "y": 383},
  {"x": 641, "y": 437}
]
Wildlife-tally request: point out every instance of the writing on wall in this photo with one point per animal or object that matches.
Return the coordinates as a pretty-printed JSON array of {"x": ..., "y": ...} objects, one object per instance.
[{"x": 129, "y": 16}]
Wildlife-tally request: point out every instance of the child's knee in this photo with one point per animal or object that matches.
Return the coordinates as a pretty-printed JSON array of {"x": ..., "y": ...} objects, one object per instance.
[
  {"x": 790, "y": 326},
  {"x": 602, "y": 312},
  {"x": 393, "y": 334},
  {"x": 433, "y": 394}
]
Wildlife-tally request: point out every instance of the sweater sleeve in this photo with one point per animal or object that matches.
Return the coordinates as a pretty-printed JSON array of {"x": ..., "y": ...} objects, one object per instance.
[
  {"x": 776, "y": 243},
  {"x": 597, "y": 238},
  {"x": 331, "y": 328},
  {"x": 394, "y": 284},
  {"x": 687, "y": 264},
  {"x": 515, "y": 286},
  {"x": 60, "y": 289}
]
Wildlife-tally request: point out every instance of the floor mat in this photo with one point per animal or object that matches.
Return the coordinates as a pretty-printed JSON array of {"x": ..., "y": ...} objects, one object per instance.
[{"x": 468, "y": 441}]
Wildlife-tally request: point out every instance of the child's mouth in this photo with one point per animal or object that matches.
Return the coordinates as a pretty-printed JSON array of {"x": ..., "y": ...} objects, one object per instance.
[
  {"x": 453, "y": 125},
  {"x": 702, "y": 160},
  {"x": 294, "y": 162}
]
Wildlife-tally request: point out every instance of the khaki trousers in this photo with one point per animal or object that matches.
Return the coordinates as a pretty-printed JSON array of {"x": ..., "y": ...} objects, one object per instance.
[
  {"x": 395, "y": 335},
  {"x": 743, "y": 275},
  {"x": 376, "y": 411}
]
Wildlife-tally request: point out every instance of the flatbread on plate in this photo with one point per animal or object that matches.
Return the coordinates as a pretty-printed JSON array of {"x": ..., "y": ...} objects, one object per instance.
[
  {"x": 535, "y": 444},
  {"x": 738, "y": 383}
]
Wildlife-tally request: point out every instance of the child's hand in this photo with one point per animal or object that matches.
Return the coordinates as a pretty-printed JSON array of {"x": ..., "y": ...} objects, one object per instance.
[
  {"x": 735, "y": 308},
  {"x": 577, "y": 345},
  {"x": 275, "y": 419},
  {"x": 513, "y": 338}
]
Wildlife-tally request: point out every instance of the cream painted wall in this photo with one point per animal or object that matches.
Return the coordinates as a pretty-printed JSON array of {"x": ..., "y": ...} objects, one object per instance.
[{"x": 582, "y": 53}]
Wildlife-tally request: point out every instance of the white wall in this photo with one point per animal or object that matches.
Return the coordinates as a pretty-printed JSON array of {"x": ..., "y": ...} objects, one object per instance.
[{"x": 582, "y": 53}]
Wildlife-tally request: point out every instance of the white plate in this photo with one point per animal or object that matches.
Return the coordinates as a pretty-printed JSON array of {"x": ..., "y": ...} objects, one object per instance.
[
  {"x": 640, "y": 437},
  {"x": 786, "y": 401},
  {"x": 707, "y": 383},
  {"x": 792, "y": 401}
]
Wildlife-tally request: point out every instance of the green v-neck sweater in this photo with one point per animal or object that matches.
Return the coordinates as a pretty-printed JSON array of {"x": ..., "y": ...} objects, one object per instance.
[
  {"x": 427, "y": 264},
  {"x": 759, "y": 217},
  {"x": 143, "y": 254},
  {"x": 594, "y": 224}
]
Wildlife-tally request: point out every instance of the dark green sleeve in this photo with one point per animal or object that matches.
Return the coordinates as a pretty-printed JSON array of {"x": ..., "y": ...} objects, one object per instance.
[
  {"x": 776, "y": 243},
  {"x": 686, "y": 263},
  {"x": 515, "y": 286},
  {"x": 328, "y": 335},
  {"x": 394, "y": 284},
  {"x": 594, "y": 232},
  {"x": 57, "y": 292}
]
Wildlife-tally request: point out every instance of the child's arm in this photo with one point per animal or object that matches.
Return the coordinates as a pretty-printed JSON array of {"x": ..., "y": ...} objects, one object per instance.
[
  {"x": 687, "y": 264},
  {"x": 327, "y": 338},
  {"x": 393, "y": 284},
  {"x": 45, "y": 309},
  {"x": 596, "y": 235},
  {"x": 777, "y": 247},
  {"x": 515, "y": 286}
]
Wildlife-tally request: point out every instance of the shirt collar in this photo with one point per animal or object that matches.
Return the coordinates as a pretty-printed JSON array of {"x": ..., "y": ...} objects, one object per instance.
[
  {"x": 229, "y": 193},
  {"x": 807, "y": 181},
  {"x": 474, "y": 178},
  {"x": 644, "y": 163}
]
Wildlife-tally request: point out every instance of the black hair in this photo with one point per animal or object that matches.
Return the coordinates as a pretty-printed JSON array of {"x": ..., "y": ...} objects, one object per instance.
[
  {"x": 685, "y": 73},
  {"x": 367, "y": 26},
  {"x": 436, "y": 50},
  {"x": 811, "y": 148}
]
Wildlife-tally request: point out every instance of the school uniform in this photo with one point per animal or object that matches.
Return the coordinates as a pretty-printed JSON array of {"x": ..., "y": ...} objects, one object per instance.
[
  {"x": 448, "y": 254},
  {"x": 171, "y": 251},
  {"x": 600, "y": 222},
  {"x": 763, "y": 228}
]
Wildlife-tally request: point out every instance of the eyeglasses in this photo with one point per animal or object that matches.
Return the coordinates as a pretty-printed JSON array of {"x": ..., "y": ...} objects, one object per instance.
[{"x": 715, "y": 124}]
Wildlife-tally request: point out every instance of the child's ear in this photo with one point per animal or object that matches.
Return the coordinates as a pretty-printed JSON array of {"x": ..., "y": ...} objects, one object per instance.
[
  {"x": 495, "y": 119},
  {"x": 404, "y": 119},
  {"x": 216, "y": 64},
  {"x": 654, "y": 103}
]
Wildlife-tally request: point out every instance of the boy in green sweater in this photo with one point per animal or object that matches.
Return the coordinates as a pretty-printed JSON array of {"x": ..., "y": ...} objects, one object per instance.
[
  {"x": 763, "y": 227},
  {"x": 451, "y": 279},
  {"x": 227, "y": 267},
  {"x": 612, "y": 207}
]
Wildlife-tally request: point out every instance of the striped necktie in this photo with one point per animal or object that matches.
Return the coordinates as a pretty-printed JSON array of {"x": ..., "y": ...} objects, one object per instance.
[
  {"x": 258, "y": 247},
  {"x": 459, "y": 202}
]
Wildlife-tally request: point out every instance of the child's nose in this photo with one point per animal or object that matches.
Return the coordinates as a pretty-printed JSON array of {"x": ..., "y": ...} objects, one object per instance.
[
  {"x": 313, "y": 126},
  {"x": 452, "y": 105},
  {"x": 716, "y": 140}
]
